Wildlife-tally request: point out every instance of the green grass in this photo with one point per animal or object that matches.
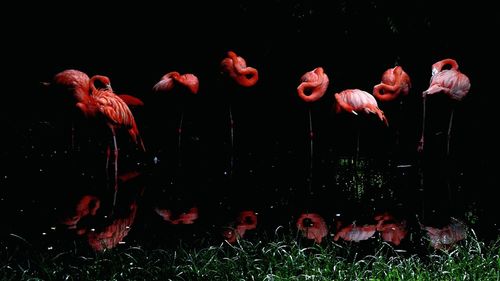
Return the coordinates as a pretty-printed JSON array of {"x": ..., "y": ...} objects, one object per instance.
[{"x": 278, "y": 258}]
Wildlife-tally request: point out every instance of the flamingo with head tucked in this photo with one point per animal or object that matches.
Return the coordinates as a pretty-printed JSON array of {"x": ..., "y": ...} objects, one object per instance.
[
  {"x": 236, "y": 67},
  {"x": 238, "y": 70},
  {"x": 167, "y": 83},
  {"x": 104, "y": 105},
  {"x": 313, "y": 85},
  {"x": 395, "y": 83},
  {"x": 450, "y": 82},
  {"x": 354, "y": 101}
]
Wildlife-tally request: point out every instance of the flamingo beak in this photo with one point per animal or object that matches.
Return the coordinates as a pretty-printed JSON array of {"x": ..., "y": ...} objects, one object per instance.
[{"x": 108, "y": 87}]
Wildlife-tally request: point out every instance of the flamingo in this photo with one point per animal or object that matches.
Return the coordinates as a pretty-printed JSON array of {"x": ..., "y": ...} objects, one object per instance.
[
  {"x": 167, "y": 83},
  {"x": 395, "y": 83},
  {"x": 105, "y": 105},
  {"x": 354, "y": 101},
  {"x": 77, "y": 83},
  {"x": 312, "y": 87},
  {"x": 236, "y": 67},
  {"x": 238, "y": 70},
  {"x": 102, "y": 105},
  {"x": 450, "y": 82}
]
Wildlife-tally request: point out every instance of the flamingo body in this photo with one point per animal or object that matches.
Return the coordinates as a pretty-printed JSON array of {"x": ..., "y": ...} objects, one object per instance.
[
  {"x": 238, "y": 70},
  {"x": 395, "y": 83},
  {"x": 313, "y": 85},
  {"x": 355, "y": 100},
  {"x": 168, "y": 81}
]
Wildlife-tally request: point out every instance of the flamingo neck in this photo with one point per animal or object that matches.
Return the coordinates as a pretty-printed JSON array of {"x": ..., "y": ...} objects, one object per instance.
[
  {"x": 101, "y": 78},
  {"x": 438, "y": 66}
]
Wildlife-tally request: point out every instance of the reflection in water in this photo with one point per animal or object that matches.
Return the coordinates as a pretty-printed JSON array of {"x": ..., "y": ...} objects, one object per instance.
[
  {"x": 87, "y": 206},
  {"x": 445, "y": 237},
  {"x": 246, "y": 220},
  {"x": 185, "y": 218},
  {"x": 112, "y": 234},
  {"x": 312, "y": 226}
]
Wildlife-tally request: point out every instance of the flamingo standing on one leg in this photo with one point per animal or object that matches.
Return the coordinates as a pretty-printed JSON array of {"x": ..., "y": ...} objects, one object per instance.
[
  {"x": 312, "y": 87},
  {"x": 236, "y": 67},
  {"x": 450, "y": 82},
  {"x": 76, "y": 83},
  {"x": 115, "y": 113},
  {"x": 167, "y": 82},
  {"x": 354, "y": 101},
  {"x": 395, "y": 84}
]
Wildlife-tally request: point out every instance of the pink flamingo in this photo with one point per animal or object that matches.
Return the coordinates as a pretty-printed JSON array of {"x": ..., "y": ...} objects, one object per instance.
[
  {"x": 105, "y": 105},
  {"x": 395, "y": 83},
  {"x": 354, "y": 101},
  {"x": 76, "y": 83},
  {"x": 238, "y": 70},
  {"x": 451, "y": 82},
  {"x": 167, "y": 83},
  {"x": 236, "y": 67},
  {"x": 312, "y": 87}
]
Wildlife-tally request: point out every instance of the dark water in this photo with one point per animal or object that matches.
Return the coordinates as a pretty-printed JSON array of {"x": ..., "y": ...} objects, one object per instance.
[{"x": 43, "y": 179}]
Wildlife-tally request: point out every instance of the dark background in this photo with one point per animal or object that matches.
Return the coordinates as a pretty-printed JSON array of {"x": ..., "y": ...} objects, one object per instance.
[{"x": 354, "y": 41}]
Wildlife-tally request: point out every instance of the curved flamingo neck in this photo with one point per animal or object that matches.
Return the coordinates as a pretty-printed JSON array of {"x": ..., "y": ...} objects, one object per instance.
[
  {"x": 245, "y": 76},
  {"x": 101, "y": 78},
  {"x": 438, "y": 66},
  {"x": 174, "y": 74},
  {"x": 394, "y": 89}
]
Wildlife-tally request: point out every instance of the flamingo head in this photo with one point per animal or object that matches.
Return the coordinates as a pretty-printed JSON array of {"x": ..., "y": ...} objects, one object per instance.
[{"x": 101, "y": 82}]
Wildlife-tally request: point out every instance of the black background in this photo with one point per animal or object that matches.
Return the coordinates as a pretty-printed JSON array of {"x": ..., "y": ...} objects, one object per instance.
[{"x": 354, "y": 41}]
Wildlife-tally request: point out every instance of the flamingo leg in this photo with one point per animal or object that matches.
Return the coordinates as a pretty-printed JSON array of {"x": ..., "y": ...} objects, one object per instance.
[
  {"x": 72, "y": 136},
  {"x": 448, "y": 138},
  {"x": 179, "y": 132},
  {"x": 115, "y": 164},
  {"x": 420, "y": 147},
  {"x": 311, "y": 151},
  {"x": 231, "y": 128},
  {"x": 108, "y": 155}
]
